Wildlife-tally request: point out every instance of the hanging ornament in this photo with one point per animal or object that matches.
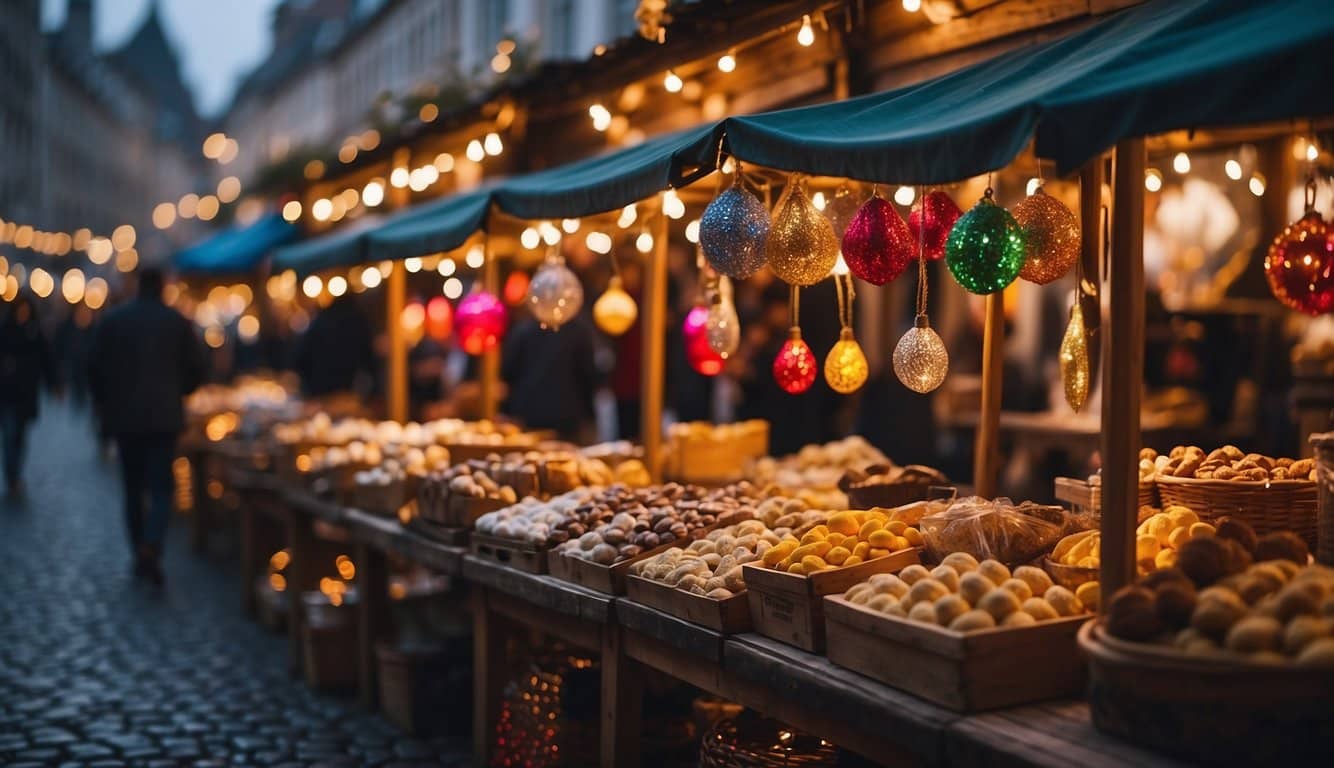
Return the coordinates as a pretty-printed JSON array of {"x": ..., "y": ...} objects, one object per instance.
[
  {"x": 941, "y": 213},
  {"x": 1075, "y": 358},
  {"x": 795, "y": 364},
  {"x": 1051, "y": 237},
  {"x": 841, "y": 208},
  {"x": 802, "y": 247},
  {"x": 920, "y": 358},
  {"x": 845, "y": 367},
  {"x": 722, "y": 326},
  {"x": 479, "y": 322},
  {"x": 877, "y": 245},
  {"x": 985, "y": 250},
  {"x": 699, "y": 354},
  {"x": 516, "y": 288},
  {"x": 1300, "y": 262},
  {"x": 615, "y": 310},
  {"x": 733, "y": 231},
  {"x": 555, "y": 293},
  {"x": 439, "y": 318}
]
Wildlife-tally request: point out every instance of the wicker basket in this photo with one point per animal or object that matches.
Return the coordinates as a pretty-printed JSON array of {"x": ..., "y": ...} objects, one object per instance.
[
  {"x": 1324, "y": 457},
  {"x": 1209, "y": 710},
  {"x": 1068, "y": 576},
  {"x": 750, "y": 741},
  {"x": 1277, "y": 505}
]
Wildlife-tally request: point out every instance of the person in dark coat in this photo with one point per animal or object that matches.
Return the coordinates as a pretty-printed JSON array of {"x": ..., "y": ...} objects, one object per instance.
[
  {"x": 552, "y": 376},
  {"x": 336, "y": 354},
  {"x": 145, "y": 359},
  {"x": 25, "y": 364}
]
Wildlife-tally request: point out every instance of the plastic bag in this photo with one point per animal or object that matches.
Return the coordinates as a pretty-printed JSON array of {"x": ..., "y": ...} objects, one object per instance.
[{"x": 997, "y": 529}]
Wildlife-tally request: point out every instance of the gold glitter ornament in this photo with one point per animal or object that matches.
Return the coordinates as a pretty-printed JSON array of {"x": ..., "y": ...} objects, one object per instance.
[
  {"x": 615, "y": 310},
  {"x": 1051, "y": 237},
  {"x": 802, "y": 247},
  {"x": 845, "y": 367},
  {"x": 1075, "y": 360},
  {"x": 920, "y": 358}
]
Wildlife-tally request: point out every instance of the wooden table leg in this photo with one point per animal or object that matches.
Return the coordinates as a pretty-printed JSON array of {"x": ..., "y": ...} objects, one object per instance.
[
  {"x": 374, "y": 624},
  {"x": 622, "y": 702},
  {"x": 250, "y": 556},
  {"x": 302, "y": 576},
  {"x": 488, "y": 674},
  {"x": 200, "y": 502}
]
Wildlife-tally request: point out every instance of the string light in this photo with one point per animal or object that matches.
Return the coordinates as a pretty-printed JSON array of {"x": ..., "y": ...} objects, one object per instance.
[
  {"x": 371, "y": 277},
  {"x": 672, "y": 205},
  {"x": 476, "y": 257},
  {"x": 806, "y": 35},
  {"x": 727, "y": 62},
  {"x": 373, "y": 193},
  {"x": 399, "y": 177},
  {"x": 628, "y": 215},
  {"x": 492, "y": 144},
  {"x": 291, "y": 210},
  {"x": 1257, "y": 185},
  {"x": 601, "y": 117},
  {"x": 644, "y": 243},
  {"x": 322, "y": 209},
  {"x": 312, "y": 286},
  {"x": 444, "y": 162},
  {"x": 164, "y": 215},
  {"x": 692, "y": 231},
  {"x": 337, "y": 286},
  {"x": 453, "y": 288},
  {"x": 671, "y": 82},
  {"x": 446, "y": 267},
  {"x": 413, "y": 264},
  {"x": 569, "y": 225},
  {"x": 1181, "y": 162},
  {"x": 229, "y": 189},
  {"x": 1233, "y": 170},
  {"x": 905, "y": 195},
  {"x": 550, "y": 234},
  {"x": 912, "y": 6},
  {"x": 1153, "y": 180},
  {"x": 598, "y": 242},
  {"x": 530, "y": 238},
  {"x": 475, "y": 152}
]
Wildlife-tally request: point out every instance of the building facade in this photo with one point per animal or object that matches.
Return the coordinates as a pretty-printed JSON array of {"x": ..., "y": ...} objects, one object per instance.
[{"x": 21, "y": 54}]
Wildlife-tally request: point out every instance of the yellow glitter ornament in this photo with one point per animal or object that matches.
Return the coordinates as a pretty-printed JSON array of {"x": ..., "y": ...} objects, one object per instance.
[
  {"x": 845, "y": 367},
  {"x": 615, "y": 310},
  {"x": 802, "y": 247},
  {"x": 1075, "y": 360},
  {"x": 1051, "y": 235}
]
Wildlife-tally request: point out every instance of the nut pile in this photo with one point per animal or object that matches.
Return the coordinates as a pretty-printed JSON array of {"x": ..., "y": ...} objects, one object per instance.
[
  {"x": 848, "y": 538},
  {"x": 620, "y": 523},
  {"x": 711, "y": 566},
  {"x": 1226, "y": 463},
  {"x": 532, "y": 520},
  {"x": 964, "y": 595},
  {"x": 813, "y": 473},
  {"x": 514, "y": 476}
]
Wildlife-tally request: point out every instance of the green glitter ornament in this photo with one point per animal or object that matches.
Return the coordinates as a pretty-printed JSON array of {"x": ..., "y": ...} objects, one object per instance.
[{"x": 986, "y": 249}]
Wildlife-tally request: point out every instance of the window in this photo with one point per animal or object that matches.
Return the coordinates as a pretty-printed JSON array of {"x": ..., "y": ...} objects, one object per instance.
[
  {"x": 560, "y": 39},
  {"x": 494, "y": 19}
]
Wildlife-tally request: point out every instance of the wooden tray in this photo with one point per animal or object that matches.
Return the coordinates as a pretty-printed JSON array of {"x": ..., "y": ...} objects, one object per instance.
[
  {"x": 459, "y": 511},
  {"x": 964, "y": 671},
  {"x": 519, "y": 555},
  {"x": 437, "y": 532},
  {"x": 609, "y": 579},
  {"x": 788, "y": 607},
  {"x": 1220, "y": 709},
  {"x": 729, "y": 616}
]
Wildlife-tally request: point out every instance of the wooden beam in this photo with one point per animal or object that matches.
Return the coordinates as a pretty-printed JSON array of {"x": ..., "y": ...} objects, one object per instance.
[
  {"x": 622, "y": 702},
  {"x": 986, "y": 451},
  {"x": 1090, "y": 255},
  {"x": 653, "y": 363},
  {"x": 1123, "y": 374},
  {"x": 490, "y": 369}
]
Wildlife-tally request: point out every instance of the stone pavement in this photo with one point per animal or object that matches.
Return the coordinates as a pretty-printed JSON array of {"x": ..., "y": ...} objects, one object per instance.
[{"x": 96, "y": 670}]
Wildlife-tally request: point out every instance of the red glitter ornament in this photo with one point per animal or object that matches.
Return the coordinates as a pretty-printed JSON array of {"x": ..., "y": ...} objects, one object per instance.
[
  {"x": 877, "y": 245},
  {"x": 699, "y": 354},
  {"x": 439, "y": 318},
  {"x": 1300, "y": 264},
  {"x": 795, "y": 366},
  {"x": 480, "y": 322},
  {"x": 941, "y": 213}
]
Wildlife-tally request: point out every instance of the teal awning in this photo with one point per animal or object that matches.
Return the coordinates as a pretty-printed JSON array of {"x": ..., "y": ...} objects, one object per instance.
[
  {"x": 440, "y": 225},
  {"x": 344, "y": 247},
  {"x": 1219, "y": 62},
  {"x": 236, "y": 250},
  {"x": 603, "y": 183}
]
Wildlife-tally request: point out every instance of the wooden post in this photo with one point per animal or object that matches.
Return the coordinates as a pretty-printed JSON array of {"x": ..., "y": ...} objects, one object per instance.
[
  {"x": 1090, "y": 255},
  {"x": 488, "y": 673},
  {"x": 490, "y": 369},
  {"x": 1122, "y": 376},
  {"x": 653, "y": 371},
  {"x": 373, "y": 610},
  {"x": 395, "y": 296},
  {"x": 301, "y": 576},
  {"x": 986, "y": 452},
  {"x": 622, "y": 702}
]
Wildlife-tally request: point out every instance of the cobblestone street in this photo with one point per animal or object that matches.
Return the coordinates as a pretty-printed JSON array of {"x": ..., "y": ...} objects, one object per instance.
[{"x": 97, "y": 670}]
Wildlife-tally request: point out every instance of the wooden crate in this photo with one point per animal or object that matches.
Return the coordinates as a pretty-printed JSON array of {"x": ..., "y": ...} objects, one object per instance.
[
  {"x": 609, "y": 579},
  {"x": 459, "y": 511},
  {"x": 789, "y": 608},
  {"x": 964, "y": 671},
  {"x": 729, "y": 616},
  {"x": 519, "y": 555}
]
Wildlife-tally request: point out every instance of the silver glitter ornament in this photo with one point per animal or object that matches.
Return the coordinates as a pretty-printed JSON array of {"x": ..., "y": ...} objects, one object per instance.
[
  {"x": 733, "y": 232},
  {"x": 555, "y": 293}
]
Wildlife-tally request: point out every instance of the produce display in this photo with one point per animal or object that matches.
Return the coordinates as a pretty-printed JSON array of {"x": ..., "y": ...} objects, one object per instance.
[
  {"x": 699, "y": 451},
  {"x": 964, "y": 594},
  {"x": 620, "y": 523},
  {"x": 534, "y": 520},
  {"x": 1234, "y": 594},
  {"x": 995, "y": 529},
  {"x": 881, "y": 485},
  {"x": 1157, "y": 541},
  {"x": 846, "y": 538},
  {"x": 399, "y": 464},
  {"x": 1226, "y": 463},
  {"x": 711, "y": 566},
  {"x": 814, "y": 473},
  {"x": 320, "y": 429}
]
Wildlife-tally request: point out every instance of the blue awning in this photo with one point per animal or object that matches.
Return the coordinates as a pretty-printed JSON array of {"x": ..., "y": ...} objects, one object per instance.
[
  {"x": 440, "y": 225},
  {"x": 236, "y": 250},
  {"x": 345, "y": 247}
]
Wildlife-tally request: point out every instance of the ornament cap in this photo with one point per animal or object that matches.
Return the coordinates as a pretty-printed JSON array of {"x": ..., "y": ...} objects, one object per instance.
[
  {"x": 846, "y": 335},
  {"x": 921, "y": 321},
  {"x": 614, "y": 283},
  {"x": 794, "y": 333}
]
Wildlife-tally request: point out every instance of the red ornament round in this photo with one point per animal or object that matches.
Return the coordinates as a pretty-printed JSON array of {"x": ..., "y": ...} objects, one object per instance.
[
  {"x": 877, "y": 245},
  {"x": 1300, "y": 265},
  {"x": 699, "y": 354},
  {"x": 795, "y": 365},
  {"x": 941, "y": 213},
  {"x": 480, "y": 322},
  {"x": 439, "y": 318}
]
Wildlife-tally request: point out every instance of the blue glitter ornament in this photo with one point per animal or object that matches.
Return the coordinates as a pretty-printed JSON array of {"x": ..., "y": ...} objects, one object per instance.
[
  {"x": 733, "y": 232},
  {"x": 986, "y": 248}
]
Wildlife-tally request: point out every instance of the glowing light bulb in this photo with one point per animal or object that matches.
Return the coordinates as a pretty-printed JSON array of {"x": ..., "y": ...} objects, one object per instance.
[
  {"x": 672, "y": 82},
  {"x": 806, "y": 35},
  {"x": 912, "y": 6},
  {"x": 413, "y": 264},
  {"x": 372, "y": 194},
  {"x": 312, "y": 286},
  {"x": 615, "y": 310},
  {"x": 371, "y": 277},
  {"x": 920, "y": 358},
  {"x": 322, "y": 209},
  {"x": 692, "y": 231},
  {"x": 1312, "y": 153},
  {"x": 794, "y": 366},
  {"x": 337, "y": 286},
  {"x": 1233, "y": 170},
  {"x": 399, "y": 177},
  {"x": 550, "y": 234},
  {"x": 727, "y": 62},
  {"x": 845, "y": 367},
  {"x": 555, "y": 293},
  {"x": 1257, "y": 185},
  {"x": 1034, "y": 184},
  {"x": 1181, "y": 162},
  {"x": 644, "y": 243},
  {"x": 672, "y": 205},
  {"x": 905, "y": 195},
  {"x": 446, "y": 267},
  {"x": 475, "y": 152},
  {"x": 1153, "y": 180},
  {"x": 598, "y": 242},
  {"x": 492, "y": 144},
  {"x": 628, "y": 215},
  {"x": 530, "y": 238},
  {"x": 570, "y": 226}
]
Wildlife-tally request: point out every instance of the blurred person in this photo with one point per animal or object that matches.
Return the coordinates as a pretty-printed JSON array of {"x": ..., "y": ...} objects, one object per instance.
[
  {"x": 552, "y": 376},
  {"x": 627, "y": 375},
  {"x": 145, "y": 359},
  {"x": 25, "y": 365},
  {"x": 337, "y": 354},
  {"x": 426, "y": 376},
  {"x": 73, "y": 343}
]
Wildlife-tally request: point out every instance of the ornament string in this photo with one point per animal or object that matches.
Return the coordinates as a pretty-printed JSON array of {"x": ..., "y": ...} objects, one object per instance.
[
  {"x": 843, "y": 284},
  {"x": 921, "y": 255},
  {"x": 795, "y": 305}
]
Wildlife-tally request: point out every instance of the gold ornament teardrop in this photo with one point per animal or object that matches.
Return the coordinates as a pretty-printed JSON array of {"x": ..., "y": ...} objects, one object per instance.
[
  {"x": 1075, "y": 360},
  {"x": 802, "y": 247}
]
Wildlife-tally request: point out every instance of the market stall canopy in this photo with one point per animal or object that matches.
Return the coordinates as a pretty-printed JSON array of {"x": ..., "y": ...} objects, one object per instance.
[
  {"x": 1220, "y": 62},
  {"x": 236, "y": 250},
  {"x": 603, "y": 183},
  {"x": 345, "y": 247},
  {"x": 440, "y": 225}
]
